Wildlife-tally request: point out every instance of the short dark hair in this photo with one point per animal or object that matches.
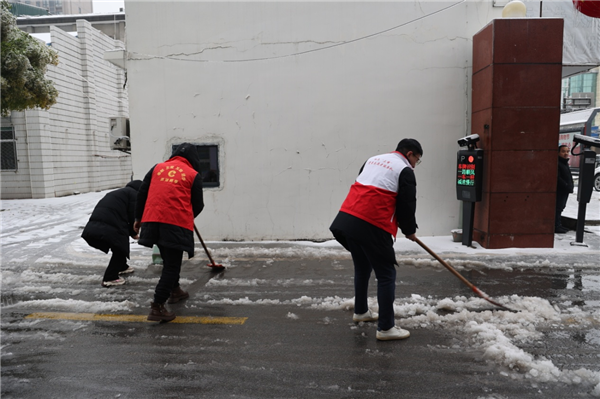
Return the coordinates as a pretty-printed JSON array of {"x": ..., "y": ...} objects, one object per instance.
[
  {"x": 561, "y": 146},
  {"x": 406, "y": 145}
]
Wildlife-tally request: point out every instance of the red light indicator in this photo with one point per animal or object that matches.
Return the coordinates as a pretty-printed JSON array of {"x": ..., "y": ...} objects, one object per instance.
[{"x": 471, "y": 159}]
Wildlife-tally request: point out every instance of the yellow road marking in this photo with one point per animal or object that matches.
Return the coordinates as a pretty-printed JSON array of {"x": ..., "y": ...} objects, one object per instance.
[
  {"x": 583, "y": 320},
  {"x": 134, "y": 318}
]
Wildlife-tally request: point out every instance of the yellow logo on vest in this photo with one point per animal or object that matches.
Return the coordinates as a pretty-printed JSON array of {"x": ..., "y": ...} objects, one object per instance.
[{"x": 172, "y": 173}]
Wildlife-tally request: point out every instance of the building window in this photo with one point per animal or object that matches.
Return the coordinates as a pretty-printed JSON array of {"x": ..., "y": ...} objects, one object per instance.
[
  {"x": 579, "y": 92},
  {"x": 8, "y": 150},
  {"x": 583, "y": 83},
  {"x": 209, "y": 164}
]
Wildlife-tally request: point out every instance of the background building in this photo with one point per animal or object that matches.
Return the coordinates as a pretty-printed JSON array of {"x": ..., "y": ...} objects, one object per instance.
[
  {"x": 580, "y": 91},
  {"x": 67, "y": 149},
  {"x": 58, "y": 7}
]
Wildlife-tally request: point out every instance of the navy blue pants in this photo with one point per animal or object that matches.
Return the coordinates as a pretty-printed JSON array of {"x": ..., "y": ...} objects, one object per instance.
[
  {"x": 117, "y": 263},
  {"x": 369, "y": 257},
  {"x": 169, "y": 278}
]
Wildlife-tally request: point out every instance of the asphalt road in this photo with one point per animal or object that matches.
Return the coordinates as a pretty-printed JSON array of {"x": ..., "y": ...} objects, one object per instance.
[{"x": 289, "y": 346}]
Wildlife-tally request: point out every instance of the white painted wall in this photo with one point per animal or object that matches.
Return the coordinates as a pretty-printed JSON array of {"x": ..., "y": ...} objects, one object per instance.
[
  {"x": 67, "y": 149},
  {"x": 298, "y": 96}
]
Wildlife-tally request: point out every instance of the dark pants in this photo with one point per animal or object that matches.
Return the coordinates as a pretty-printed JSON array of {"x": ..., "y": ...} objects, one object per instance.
[
  {"x": 169, "y": 278},
  {"x": 368, "y": 257},
  {"x": 118, "y": 263},
  {"x": 561, "y": 202}
]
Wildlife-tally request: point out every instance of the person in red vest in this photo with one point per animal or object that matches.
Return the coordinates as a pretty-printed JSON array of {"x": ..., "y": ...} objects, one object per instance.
[
  {"x": 168, "y": 201},
  {"x": 383, "y": 198}
]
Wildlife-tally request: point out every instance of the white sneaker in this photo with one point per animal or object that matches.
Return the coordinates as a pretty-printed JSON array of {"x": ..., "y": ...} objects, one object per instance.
[
  {"x": 128, "y": 270},
  {"x": 367, "y": 316},
  {"x": 392, "y": 333},
  {"x": 119, "y": 281}
]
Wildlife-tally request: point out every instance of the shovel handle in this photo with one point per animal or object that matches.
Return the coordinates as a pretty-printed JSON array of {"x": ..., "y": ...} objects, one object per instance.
[
  {"x": 464, "y": 280},
  {"x": 204, "y": 246},
  {"x": 446, "y": 265}
]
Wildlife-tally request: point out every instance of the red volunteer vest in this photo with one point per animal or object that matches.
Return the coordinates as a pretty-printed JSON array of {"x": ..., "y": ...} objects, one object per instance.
[
  {"x": 170, "y": 194},
  {"x": 372, "y": 197}
]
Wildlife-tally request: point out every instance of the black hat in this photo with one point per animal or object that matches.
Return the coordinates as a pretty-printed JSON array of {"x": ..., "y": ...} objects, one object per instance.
[{"x": 189, "y": 152}]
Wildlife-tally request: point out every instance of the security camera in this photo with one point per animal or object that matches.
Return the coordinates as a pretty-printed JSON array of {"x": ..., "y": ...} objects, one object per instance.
[
  {"x": 469, "y": 141},
  {"x": 586, "y": 141}
]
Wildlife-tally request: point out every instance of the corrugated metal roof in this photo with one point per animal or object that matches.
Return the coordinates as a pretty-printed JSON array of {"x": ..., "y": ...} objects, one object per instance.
[{"x": 577, "y": 117}]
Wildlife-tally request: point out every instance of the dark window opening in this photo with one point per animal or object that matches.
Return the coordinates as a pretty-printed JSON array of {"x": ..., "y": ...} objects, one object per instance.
[
  {"x": 209, "y": 164},
  {"x": 8, "y": 149}
]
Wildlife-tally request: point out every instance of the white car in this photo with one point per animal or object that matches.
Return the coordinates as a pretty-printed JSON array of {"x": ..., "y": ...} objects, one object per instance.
[{"x": 597, "y": 174}]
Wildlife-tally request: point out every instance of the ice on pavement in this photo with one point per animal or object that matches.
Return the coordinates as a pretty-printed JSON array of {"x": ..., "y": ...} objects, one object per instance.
[{"x": 32, "y": 226}]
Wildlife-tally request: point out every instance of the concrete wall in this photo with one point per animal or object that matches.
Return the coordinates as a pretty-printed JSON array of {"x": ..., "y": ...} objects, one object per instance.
[
  {"x": 66, "y": 149},
  {"x": 298, "y": 96}
]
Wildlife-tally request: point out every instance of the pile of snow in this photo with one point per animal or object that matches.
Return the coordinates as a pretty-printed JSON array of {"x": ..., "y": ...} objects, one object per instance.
[{"x": 497, "y": 334}]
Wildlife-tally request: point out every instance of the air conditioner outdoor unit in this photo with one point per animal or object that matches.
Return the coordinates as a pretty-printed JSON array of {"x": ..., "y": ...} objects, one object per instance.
[
  {"x": 120, "y": 143},
  {"x": 119, "y": 134}
]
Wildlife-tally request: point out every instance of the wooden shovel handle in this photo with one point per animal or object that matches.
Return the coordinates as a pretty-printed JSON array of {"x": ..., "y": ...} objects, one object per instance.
[
  {"x": 204, "y": 246},
  {"x": 457, "y": 274},
  {"x": 445, "y": 264}
]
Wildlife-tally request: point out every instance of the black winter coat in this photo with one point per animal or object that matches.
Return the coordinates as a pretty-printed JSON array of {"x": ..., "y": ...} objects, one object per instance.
[
  {"x": 564, "y": 184},
  {"x": 111, "y": 222},
  {"x": 164, "y": 234}
]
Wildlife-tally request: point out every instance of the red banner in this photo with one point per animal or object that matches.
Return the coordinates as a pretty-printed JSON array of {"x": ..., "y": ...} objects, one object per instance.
[{"x": 591, "y": 8}]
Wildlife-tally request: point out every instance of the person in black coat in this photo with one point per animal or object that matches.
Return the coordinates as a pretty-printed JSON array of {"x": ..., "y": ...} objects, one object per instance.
[
  {"x": 109, "y": 228},
  {"x": 167, "y": 203},
  {"x": 564, "y": 187}
]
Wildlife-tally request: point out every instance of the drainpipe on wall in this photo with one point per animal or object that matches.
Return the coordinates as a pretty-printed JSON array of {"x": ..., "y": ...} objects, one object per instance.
[{"x": 28, "y": 154}]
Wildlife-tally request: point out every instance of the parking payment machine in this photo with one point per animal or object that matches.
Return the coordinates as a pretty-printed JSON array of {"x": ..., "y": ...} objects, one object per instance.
[
  {"x": 469, "y": 176},
  {"x": 587, "y": 164}
]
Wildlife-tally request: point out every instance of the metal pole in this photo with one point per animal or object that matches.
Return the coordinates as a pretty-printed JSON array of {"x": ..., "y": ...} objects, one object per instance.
[
  {"x": 467, "y": 224},
  {"x": 580, "y": 222}
]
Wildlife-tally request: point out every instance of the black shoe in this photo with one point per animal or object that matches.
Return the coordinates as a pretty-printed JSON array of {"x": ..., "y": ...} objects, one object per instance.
[{"x": 560, "y": 230}]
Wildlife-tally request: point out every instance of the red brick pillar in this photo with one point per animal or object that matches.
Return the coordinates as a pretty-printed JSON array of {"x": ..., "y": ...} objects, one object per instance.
[{"x": 517, "y": 66}]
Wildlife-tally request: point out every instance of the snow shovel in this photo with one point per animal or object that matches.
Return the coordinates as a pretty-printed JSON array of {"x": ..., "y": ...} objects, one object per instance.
[
  {"x": 457, "y": 274},
  {"x": 215, "y": 266}
]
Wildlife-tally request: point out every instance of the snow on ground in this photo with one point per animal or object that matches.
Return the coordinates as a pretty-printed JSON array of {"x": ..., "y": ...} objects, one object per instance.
[
  {"x": 45, "y": 220},
  {"x": 41, "y": 239}
]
